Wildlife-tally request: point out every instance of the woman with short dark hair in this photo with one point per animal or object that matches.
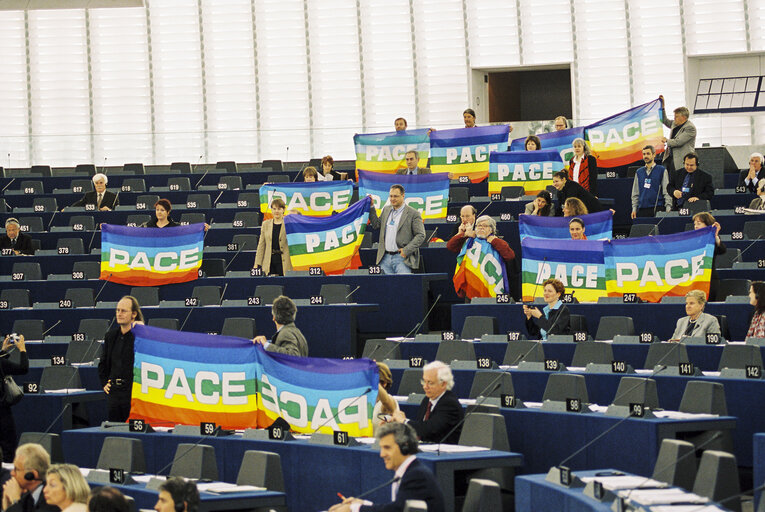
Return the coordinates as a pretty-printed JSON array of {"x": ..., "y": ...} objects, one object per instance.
[{"x": 161, "y": 218}]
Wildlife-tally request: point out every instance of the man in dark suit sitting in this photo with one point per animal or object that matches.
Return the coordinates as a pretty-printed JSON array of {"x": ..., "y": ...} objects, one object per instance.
[
  {"x": 23, "y": 491},
  {"x": 412, "y": 479},
  {"x": 690, "y": 184},
  {"x": 440, "y": 411},
  {"x": 100, "y": 198},
  {"x": 14, "y": 241},
  {"x": 411, "y": 165}
]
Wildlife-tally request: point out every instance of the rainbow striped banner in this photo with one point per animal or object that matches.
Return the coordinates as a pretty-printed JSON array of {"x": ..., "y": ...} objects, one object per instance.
[
  {"x": 426, "y": 193},
  {"x": 480, "y": 270},
  {"x": 318, "y": 199},
  {"x": 331, "y": 243},
  {"x": 385, "y": 152},
  {"x": 597, "y": 226},
  {"x": 578, "y": 264},
  {"x": 189, "y": 378},
  {"x": 619, "y": 139},
  {"x": 655, "y": 266},
  {"x": 465, "y": 151},
  {"x": 151, "y": 256},
  {"x": 532, "y": 170},
  {"x": 554, "y": 141}
]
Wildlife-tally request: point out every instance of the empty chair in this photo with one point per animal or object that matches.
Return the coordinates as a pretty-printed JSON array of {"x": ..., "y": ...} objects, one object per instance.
[
  {"x": 278, "y": 178},
  {"x": 147, "y": 200},
  {"x": 732, "y": 287},
  {"x": 82, "y": 223},
  {"x": 89, "y": 269},
  {"x": 274, "y": 165},
  {"x": 482, "y": 495},
  {"x": 214, "y": 267},
  {"x": 410, "y": 382},
  {"x": 51, "y": 443},
  {"x": 638, "y": 230},
  {"x": 192, "y": 218},
  {"x": 230, "y": 183},
  {"x": 740, "y": 356},
  {"x": 239, "y": 327},
  {"x": 133, "y": 185},
  {"x": 81, "y": 352},
  {"x": 228, "y": 165},
  {"x": 754, "y": 230},
  {"x": 246, "y": 242},
  {"x": 726, "y": 260},
  {"x": 637, "y": 390},
  {"x": 268, "y": 292},
  {"x": 512, "y": 192},
  {"x": 459, "y": 194},
  {"x": 724, "y": 327},
  {"x": 45, "y": 204},
  {"x": 82, "y": 186},
  {"x": 610, "y": 326},
  {"x": 80, "y": 297},
  {"x": 195, "y": 461},
  {"x": 59, "y": 377},
  {"x": 134, "y": 168},
  {"x": 32, "y": 187},
  {"x": 124, "y": 453},
  {"x": 702, "y": 205},
  {"x": 717, "y": 478},
  {"x": 476, "y": 326},
  {"x": 249, "y": 199},
  {"x": 578, "y": 323},
  {"x": 93, "y": 328},
  {"x": 381, "y": 349},
  {"x": 41, "y": 170},
  {"x": 89, "y": 169},
  {"x": 561, "y": 386},
  {"x": 198, "y": 201},
  {"x": 486, "y": 383},
  {"x": 486, "y": 430},
  {"x": 666, "y": 354},
  {"x": 136, "y": 219},
  {"x": 246, "y": 220},
  {"x": 146, "y": 295},
  {"x": 32, "y": 329},
  {"x": 16, "y": 297},
  {"x": 70, "y": 246},
  {"x": 524, "y": 350},
  {"x": 456, "y": 350},
  {"x": 335, "y": 293},
  {"x": 592, "y": 352},
  {"x": 164, "y": 323},
  {"x": 675, "y": 464},
  {"x": 179, "y": 183},
  {"x": 207, "y": 295},
  {"x": 31, "y": 224},
  {"x": 261, "y": 469},
  {"x": 183, "y": 167},
  {"x": 701, "y": 397}
]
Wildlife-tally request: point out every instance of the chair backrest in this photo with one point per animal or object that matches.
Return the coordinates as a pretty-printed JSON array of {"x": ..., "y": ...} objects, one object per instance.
[
  {"x": 381, "y": 349},
  {"x": 239, "y": 327},
  {"x": 133, "y": 185},
  {"x": 455, "y": 350},
  {"x": 336, "y": 293},
  {"x": 638, "y": 230},
  {"x": 90, "y": 269},
  {"x": 246, "y": 242},
  {"x": 180, "y": 183},
  {"x": 512, "y": 192},
  {"x": 578, "y": 323},
  {"x": 459, "y": 194},
  {"x": 246, "y": 220},
  {"x": 50, "y": 442},
  {"x": 723, "y": 321},
  {"x": 732, "y": 287},
  {"x": 136, "y": 219},
  {"x": 93, "y": 328},
  {"x": 192, "y": 218},
  {"x": 278, "y": 178},
  {"x": 48, "y": 204},
  {"x": 754, "y": 230},
  {"x": 228, "y": 165},
  {"x": 717, "y": 478},
  {"x": 80, "y": 297},
  {"x": 32, "y": 187},
  {"x": 702, "y": 397},
  {"x": 637, "y": 390},
  {"x": 198, "y": 201},
  {"x": 561, "y": 386},
  {"x": 60, "y": 377},
  {"x": 32, "y": 329},
  {"x": 146, "y": 295},
  {"x": 486, "y": 430},
  {"x": 230, "y": 183},
  {"x": 740, "y": 356},
  {"x": 268, "y": 292},
  {"x": 122, "y": 453},
  {"x": 207, "y": 295},
  {"x": 16, "y": 297},
  {"x": 82, "y": 223},
  {"x": 85, "y": 168},
  {"x": 482, "y": 495},
  {"x": 81, "y": 186},
  {"x": 147, "y": 200},
  {"x": 213, "y": 267},
  {"x": 261, "y": 469},
  {"x": 252, "y": 198},
  {"x": 726, "y": 260},
  {"x": 486, "y": 383},
  {"x": 70, "y": 246},
  {"x": 668, "y": 354},
  {"x": 524, "y": 350},
  {"x": 702, "y": 205},
  {"x": 675, "y": 465},
  {"x": 31, "y": 224},
  {"x": 410, "y": 382},
  {"x": 30, "y": 269},
  {"x": 164, "y": 323},
  {"x": 588, "y": 352},
  {"x": 610, "y": 326},
  {"x": 195, "y": 461},
  {"x": 134, "y": 168},
  {"x": 274, "y": 165},
  {"x": 183, "y": 167},
  {"x": 476, "y": 326}
]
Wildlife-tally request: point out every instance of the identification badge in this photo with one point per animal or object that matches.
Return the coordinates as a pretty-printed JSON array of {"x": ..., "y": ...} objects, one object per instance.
[
  {"x": 686, "y": 190},
  {"x": 647, "y": 183}
]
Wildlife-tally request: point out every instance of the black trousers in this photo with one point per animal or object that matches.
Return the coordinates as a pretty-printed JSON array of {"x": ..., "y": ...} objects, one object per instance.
[
  {"x": 7, "y": 434},
  {"x": 118, "y": 401}
]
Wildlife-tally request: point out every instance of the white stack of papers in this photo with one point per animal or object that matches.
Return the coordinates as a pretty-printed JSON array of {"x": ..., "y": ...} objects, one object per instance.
[
  {"x": 451, "y": 448},
  {"x": 613, "y": 483},
  {"x": 64, "y": 391},
  {"x": 533, "y": 405},
  {"x": 467, "y": 401},
  {"x": 686, "y": 508},
  {"x": 677, "y": 415},
  {"x": 223, "y": 487},
  {"x": 662, "y": 496}
]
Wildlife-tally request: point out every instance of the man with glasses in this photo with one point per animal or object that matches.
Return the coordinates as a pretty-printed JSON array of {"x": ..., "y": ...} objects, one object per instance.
[
  {"x": 440, "y": 411},
  {"x": 401, "y": 234},
  {"x": 116, "y": 367},
  {"x": 23, "y": 491}
]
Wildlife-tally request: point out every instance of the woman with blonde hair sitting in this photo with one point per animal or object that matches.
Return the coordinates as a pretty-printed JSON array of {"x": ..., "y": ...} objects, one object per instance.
[
  {"x": 697, "y": 324},
  {"x": 66, "y": 488}
]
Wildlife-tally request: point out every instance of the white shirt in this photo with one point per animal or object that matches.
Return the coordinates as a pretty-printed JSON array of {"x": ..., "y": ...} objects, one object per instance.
[
  {"x": 391, "y": 228},
  {"x": 575, "y": 170}
]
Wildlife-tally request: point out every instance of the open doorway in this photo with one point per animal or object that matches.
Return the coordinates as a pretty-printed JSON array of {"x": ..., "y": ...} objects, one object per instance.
[{"x": 529, "y": 95}]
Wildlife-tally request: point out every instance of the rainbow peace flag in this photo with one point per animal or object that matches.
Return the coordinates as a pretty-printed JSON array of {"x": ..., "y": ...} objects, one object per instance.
[
  {"x": 465, "y": 151},
  {"x": 426, "y": 193},
  {"x": 619, "y": 139},
  {"x": 318, "y": 199},
  {"x": 331, "y": 243},
  {"x": 655, "y": 266},
  {"x": 554, "y": 141},
  {"x": 532, "y": 170},
  {"x": 385, "y": 152},
  {"x": 188, "y": 378},
  {"x": 578, "y": 264},
  {"x": 597, "y": 226},
  {"x": 480, "y": 270},
  {"x": 151, "y": 256}
]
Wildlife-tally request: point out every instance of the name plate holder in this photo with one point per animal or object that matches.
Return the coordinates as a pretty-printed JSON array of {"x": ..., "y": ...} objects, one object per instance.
[
  {"x": 110, "y": 477},
  {"x": 594, "y": 489},
  {"x": 267, "y": 434},
  {"x": 331, "y": 439},
  {"x": 563, "y": 476},
  {"x": 531, "y": 366}
]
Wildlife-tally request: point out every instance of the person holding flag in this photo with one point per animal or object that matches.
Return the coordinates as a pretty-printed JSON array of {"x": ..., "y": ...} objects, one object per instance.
[{"x": 482, "y": 262}]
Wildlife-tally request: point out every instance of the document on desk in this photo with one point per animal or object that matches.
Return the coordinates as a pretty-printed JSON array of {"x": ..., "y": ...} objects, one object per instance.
[
  {"x": 686, "y": 508},
  {"x": 223, "y": 487},
  {"x": 451, "y": 448},
  {"x": 64, "y": 391},
  {"x": 614, "y": 483},
  {"x": 677, "y": 415},
  {"x": 662, "y": 496}
]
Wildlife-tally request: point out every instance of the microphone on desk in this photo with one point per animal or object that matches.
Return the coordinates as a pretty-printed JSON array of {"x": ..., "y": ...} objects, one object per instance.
[
  {"x": 381, "y": 486},
  {"x": 8, "y": 185},
  {"x": 339, "y": 410},
  {"x": 225, "y": 287},
  {"x": 345, "y": 300},
  {"x": 238, "y": 250},
  {"x": 217, "y": 198},
  {"x": 50, "y": 328},
  {"x": 187, "y": 318},
  {"x": 95, "y": 299},
  {"x": 417, "y": 327}
]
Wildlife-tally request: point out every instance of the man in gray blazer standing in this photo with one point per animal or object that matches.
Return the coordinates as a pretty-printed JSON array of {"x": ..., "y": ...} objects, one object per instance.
[
  {"x": 401, "y": 234},
  {"x": 411, "y": 165},
  {"x": 682, "y": 139}
]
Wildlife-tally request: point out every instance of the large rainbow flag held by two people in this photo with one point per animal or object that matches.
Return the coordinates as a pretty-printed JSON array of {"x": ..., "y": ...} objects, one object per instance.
[
  {"x": 189, "y": 378},
  {"x": 597, "y": 226},
  {"x": 318, "y": 199},
  {"x": 426, "y": 193},
  {"x": 480, "y": 270},
  {"x": 151, "y": 256},
  {"x": 385, "y": 152}
]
